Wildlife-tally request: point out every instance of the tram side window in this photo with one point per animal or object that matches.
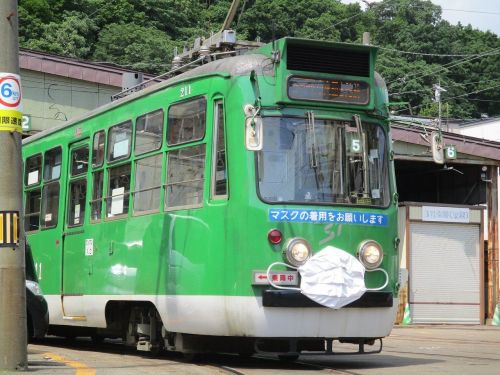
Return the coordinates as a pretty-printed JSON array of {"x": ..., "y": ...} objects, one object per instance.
[
  {"x": 147, "y": 184},
  {"x": 98, "y": 148},
  {"x": 50, "y": 205},
  {"x": 77, "y": 195},
  {"x": 52, "y": 169},
  {"x": 33, "y": 169},
  {"x": 148, "y": 132},
  {"x": 184, "y": 186},
  {"x": 118, "y": 190},
  {"x": 119, "y": 141},
  {"x": 186, "y": 121},
  {"x": 79, "y": 161},
  {"x": 96, "y": 203},
  {"x": 32, "y": 210},
  {"x": 219, "y": 170}
]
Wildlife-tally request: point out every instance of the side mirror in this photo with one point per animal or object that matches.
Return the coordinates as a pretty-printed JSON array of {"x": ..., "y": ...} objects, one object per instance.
[{"x": 254, "y": 133}]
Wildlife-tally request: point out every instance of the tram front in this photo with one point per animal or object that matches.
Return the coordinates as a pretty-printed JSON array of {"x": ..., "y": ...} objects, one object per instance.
[{"x": 326, "y": 197}]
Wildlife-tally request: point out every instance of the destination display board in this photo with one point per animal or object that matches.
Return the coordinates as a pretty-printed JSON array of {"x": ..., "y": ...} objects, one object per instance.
[{"x": 329, "y": 90}]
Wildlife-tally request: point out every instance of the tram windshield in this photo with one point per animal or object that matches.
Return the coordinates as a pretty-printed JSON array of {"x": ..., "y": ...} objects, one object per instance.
[{"x": 318, "y": 161}]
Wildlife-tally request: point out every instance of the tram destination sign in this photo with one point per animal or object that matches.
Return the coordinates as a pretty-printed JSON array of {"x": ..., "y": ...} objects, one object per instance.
[
  {"x": 329, "y": 90},
  {"x": 328, "y": 216}
]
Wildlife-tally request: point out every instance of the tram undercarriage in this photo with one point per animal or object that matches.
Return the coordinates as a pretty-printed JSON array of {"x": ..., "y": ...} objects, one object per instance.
[{"x": 144, "y": 330}]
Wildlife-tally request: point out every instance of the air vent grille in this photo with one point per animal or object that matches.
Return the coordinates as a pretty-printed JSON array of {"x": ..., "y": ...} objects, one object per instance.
[{"x": 332, "y": 61}]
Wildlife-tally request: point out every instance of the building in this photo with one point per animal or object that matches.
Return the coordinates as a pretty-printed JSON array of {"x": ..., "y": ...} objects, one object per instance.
[
  {"x": 57, "y": 88},
  {"x": 485, "y": 128},
  {"x": 448, "y": 221}
]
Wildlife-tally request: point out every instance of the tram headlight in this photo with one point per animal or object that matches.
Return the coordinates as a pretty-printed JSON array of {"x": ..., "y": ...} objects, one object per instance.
[
  {"x": 370, "y": 254},
  {"x": 297, "y": 251}
]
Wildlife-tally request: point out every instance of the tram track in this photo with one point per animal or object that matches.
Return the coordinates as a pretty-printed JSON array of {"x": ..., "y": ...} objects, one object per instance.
[
  {"x": 223, "y": 369},
  {"x": 214, "y": 363}
]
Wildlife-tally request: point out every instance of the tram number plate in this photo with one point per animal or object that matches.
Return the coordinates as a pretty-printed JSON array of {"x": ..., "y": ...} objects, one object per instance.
[{"x": 278, "y": 278}]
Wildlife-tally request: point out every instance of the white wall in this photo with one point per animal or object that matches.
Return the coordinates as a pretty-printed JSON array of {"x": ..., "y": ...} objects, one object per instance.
[{"x": 489, "y": 130}]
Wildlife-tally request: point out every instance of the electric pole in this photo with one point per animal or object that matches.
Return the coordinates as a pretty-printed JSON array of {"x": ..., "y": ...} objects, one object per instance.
[
  {"x": 13, "y": 351},
  {"x": 437, "y": 97}
]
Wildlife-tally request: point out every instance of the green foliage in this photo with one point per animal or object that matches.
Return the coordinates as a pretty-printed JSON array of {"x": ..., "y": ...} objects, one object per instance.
[
  {"x": 141, "y": 34},
  {"x": 133, "y": 46},
  {"x": 72, "y": 37}
]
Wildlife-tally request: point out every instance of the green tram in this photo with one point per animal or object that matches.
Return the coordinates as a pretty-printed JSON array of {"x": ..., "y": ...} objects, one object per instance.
[{"x": 246, "y": 205}]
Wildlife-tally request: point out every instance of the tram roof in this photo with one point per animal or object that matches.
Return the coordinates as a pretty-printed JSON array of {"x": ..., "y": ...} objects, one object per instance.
[
  {"x": 258, "y": 60},
  {"x": 227, "y": 67}
]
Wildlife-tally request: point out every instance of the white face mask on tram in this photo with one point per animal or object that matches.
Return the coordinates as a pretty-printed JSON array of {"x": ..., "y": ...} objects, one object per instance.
[{"x": 332, "y": 278}]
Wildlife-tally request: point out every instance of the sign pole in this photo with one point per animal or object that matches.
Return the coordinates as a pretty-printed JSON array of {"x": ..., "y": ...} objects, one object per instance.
[{"x": 13, "y": 348}]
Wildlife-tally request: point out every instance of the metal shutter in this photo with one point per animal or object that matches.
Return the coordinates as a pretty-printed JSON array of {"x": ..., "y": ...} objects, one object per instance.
[{"x": 444, "y": 273}]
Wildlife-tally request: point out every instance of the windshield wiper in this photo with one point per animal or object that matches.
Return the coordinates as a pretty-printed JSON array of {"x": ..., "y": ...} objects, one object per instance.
[
  {"x": 313, "y": 159},
  {"x": 311, "y": 138},
  {"x": 362, "y": 139}
]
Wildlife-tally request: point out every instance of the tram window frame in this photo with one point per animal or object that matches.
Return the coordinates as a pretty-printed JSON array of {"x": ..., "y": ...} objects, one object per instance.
[
  {"x": 30, "y": 209},
  {"x": 52, "y": 202},
  {"x": 97, "y": 196},
  {"x": 219, "y": 138},
  {"x": 28, "y": 170},
  {"x": 52, "y": 164},
  {"x": 82, "y": 164},
  {"x": 113, "y": 134},
  {"x": 113, "y": 198},
  {"x": 147, "y": 185},
  {"x": 148, "y": 121},
  {"x": 182, "y": 107},
  {"x": 180, "y": 198},
  {"x": 72, "y": 211},
  {"x": 98, "y": 149}
]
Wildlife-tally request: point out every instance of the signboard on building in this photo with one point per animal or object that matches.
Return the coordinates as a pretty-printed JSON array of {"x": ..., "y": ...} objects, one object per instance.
[{"x": 446, "y": 214}]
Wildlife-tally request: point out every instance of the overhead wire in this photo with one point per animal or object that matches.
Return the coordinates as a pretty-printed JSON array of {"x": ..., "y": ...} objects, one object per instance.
[
  {"x": 448, "y": 99},
  {"x": 470, "y": 11},
  {"x": 446, "y": 66},
  {"x": 431, "y": 54},
  {"x": 451, "y": 82}
]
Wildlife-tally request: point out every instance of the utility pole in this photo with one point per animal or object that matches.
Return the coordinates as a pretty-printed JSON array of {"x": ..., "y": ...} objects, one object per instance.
[
  {"x": 437, "y": 97},
  {"x": 13, "y": 351}
]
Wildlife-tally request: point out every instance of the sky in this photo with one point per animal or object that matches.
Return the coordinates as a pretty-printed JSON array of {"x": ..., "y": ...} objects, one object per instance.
[{"x": 481, "y": 14}]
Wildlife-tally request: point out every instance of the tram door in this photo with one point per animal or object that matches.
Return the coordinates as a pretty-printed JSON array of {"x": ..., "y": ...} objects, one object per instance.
[{"x": 76, "y": 263}]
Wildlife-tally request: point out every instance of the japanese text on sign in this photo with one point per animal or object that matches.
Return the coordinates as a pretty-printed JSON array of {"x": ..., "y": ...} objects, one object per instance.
[
  {"x": 327, "y": 216},
  {"x": 278, "y": 278},
  {"x": 446, "y": 214}
]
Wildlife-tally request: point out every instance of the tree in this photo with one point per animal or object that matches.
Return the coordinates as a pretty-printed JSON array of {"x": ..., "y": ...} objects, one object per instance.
[
  {"x": 72, "y": 37},
  {"x": 417, "y": 47},
  {"x": 136, "y": 47}
]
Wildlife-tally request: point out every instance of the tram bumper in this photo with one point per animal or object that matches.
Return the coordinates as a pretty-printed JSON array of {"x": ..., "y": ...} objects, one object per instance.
[{"x": 294, "y": 298}]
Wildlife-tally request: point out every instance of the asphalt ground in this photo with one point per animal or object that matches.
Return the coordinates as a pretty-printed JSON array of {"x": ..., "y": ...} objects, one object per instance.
[{"x": 409, "y": 350}]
